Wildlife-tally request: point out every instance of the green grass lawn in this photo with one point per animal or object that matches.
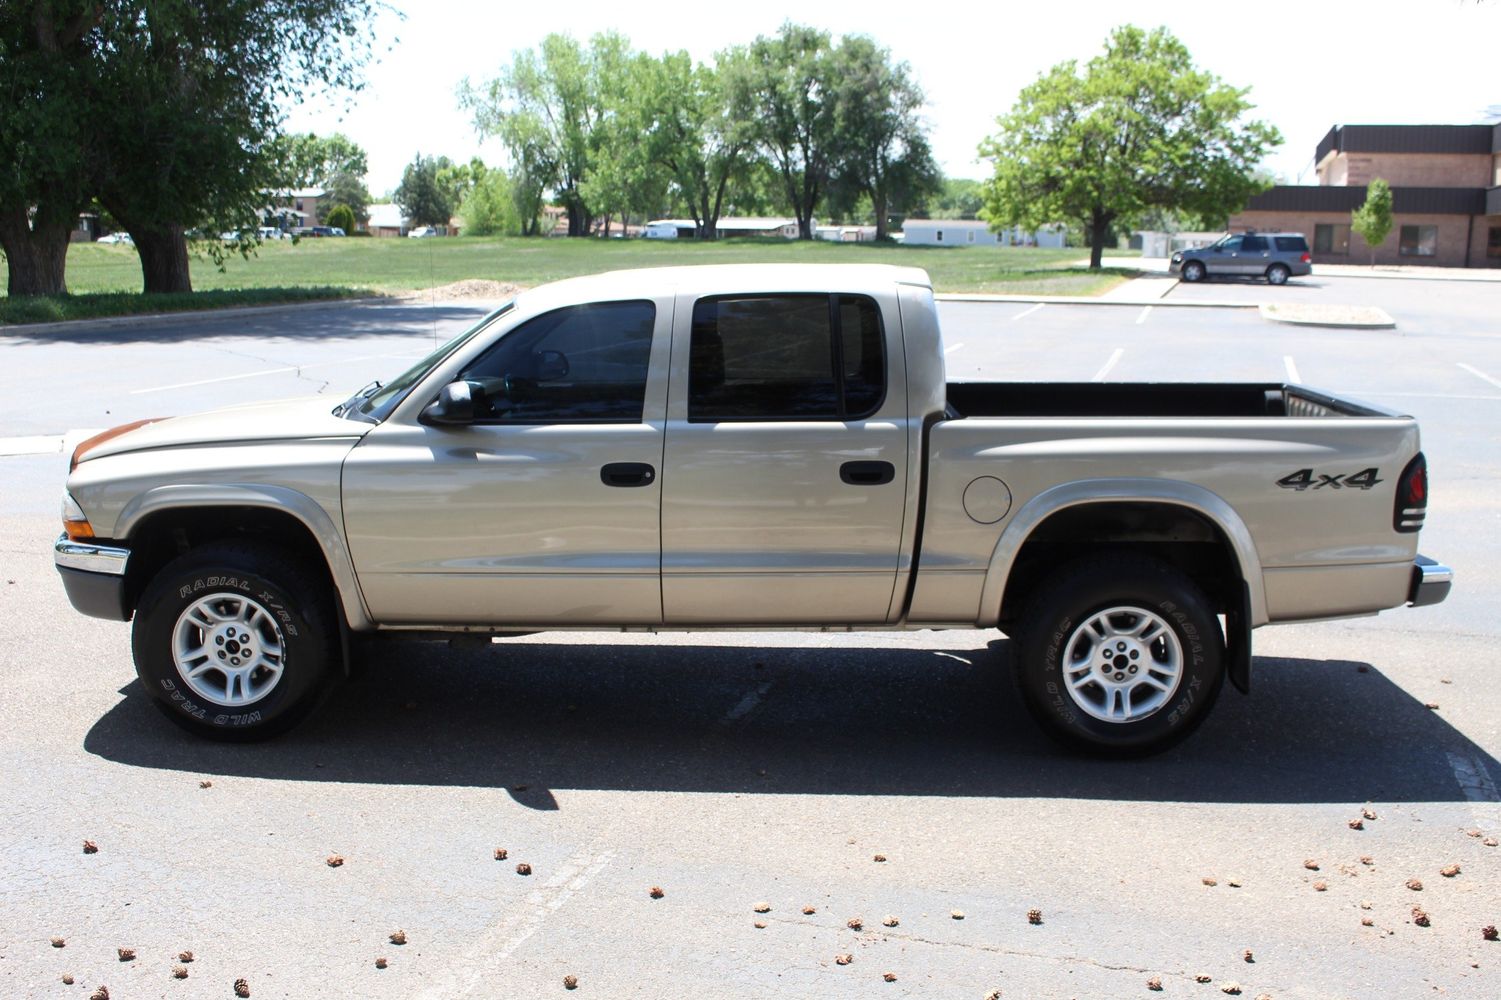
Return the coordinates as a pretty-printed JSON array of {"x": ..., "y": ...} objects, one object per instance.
[{"x": 322, "y": 268}]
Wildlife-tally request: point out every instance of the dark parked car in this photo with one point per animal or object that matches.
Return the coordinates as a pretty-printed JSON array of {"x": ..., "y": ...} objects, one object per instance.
[{"x": 1273, "y": 256}]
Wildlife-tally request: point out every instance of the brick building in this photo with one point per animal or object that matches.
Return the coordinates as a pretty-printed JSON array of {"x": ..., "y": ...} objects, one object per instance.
[{"x": 1446, "y": 195}]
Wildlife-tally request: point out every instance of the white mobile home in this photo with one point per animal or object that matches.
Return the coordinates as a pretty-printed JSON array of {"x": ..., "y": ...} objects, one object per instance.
[{"x": 976, "y": 233}]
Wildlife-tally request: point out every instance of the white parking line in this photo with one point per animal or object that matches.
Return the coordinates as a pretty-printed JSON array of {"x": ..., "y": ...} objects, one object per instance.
[
  {"x": 1145, "y": 312},
  {"x": 268, "y": 371},
  {"x": 1478, "y": 788},
  {"x": 952, "y": 348},
  {"x": 1292, "y": 369},
  {"x": 1099, "y": 376},
  {"x": 1027, "y": 312},
  {"x": 44, "y": 444},
  {"x": 1480, "y": 374}
]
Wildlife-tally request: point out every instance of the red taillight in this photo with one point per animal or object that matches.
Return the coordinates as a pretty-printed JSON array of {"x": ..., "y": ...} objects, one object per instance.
[
  {"x": 1412, "y": 496},
  {"x": 1307, "y": 258}
]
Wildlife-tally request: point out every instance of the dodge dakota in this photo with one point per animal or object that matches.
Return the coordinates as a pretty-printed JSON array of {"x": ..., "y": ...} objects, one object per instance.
[{"x": 745, "y": 447}]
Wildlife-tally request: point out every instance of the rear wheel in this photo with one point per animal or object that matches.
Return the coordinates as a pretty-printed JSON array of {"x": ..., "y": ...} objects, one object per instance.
[
  {"x": 1193, "y": 271},
  {"x": 236, "y": 641},
  {"x": 1119, "y": 655},
  {"x": 1277, "y": 274}
]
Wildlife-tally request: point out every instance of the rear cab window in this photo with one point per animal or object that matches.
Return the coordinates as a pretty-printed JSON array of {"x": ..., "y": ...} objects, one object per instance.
[{"x": 786, "y": 357}]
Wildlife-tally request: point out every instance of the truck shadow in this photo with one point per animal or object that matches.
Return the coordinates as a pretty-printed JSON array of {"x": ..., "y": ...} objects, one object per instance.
[{"x": 537, "y": 717}]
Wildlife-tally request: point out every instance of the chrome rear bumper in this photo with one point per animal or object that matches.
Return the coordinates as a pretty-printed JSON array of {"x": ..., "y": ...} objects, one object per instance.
[{"x": 1430, "y": 582}]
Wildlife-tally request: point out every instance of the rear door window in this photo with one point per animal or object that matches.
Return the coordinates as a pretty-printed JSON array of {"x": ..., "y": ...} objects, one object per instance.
[
  {"x": 786, "y": 357},
  {"x": 1255, "y": 244}
]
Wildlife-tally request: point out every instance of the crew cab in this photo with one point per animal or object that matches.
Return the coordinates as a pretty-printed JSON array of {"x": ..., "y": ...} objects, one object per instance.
[{"x": 758, "y": 446}]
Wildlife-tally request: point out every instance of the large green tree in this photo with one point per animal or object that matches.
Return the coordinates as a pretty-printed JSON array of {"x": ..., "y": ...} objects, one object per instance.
[
  {"x": 792, "y": 83},
  {"x": 335, "y": 163},
  {"x": 1141, "y": 126},
  {"x": 881, "y": 144},
  {"x": 47, "y": 65},
  {"x": 163, "y": 110},
  {"x": 421, "y": 197},
  {"x": 696, "y": 123},
  {"x": 544, "y": 106}
]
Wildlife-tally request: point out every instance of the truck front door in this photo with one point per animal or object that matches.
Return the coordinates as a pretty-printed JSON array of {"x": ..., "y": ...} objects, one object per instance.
[
  {"x": 545, "y": 509},
  {"x": 786, "y": 458}
]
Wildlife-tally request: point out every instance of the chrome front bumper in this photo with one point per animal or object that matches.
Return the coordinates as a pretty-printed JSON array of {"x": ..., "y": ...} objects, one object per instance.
[
  {"x": 93, "y": 576},
  {"x": 1431, "y": 581}
]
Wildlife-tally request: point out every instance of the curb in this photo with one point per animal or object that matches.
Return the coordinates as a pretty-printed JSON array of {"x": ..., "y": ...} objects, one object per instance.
[
  {"x": 1080, "y": 301},
  {"x": 185, "y": 315},
  {"x": 1372, "y": 318}
]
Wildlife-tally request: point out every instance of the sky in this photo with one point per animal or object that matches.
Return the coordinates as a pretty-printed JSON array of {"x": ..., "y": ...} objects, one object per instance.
[{"x": 1309, "y": 65}]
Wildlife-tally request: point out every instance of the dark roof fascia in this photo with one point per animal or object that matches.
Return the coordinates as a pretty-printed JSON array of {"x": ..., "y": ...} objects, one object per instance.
[
  {"x": 1493, "y": 201},
  {"x": 1407, "y": 201},
  {"x": 1409, "y": 139}
]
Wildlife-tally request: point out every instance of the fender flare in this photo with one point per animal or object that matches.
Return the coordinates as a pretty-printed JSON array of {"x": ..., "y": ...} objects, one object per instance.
[
  {"x": 1093, "y": 491},
  {"x": 279, "y": 498}
]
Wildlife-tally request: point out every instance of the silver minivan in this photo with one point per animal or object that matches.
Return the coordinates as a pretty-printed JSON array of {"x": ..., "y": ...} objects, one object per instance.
[{"x": 1273, "y": 256}]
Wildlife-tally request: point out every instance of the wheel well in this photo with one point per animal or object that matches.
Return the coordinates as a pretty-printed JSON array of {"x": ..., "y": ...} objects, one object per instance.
[
  {"x": 166, "y": 534},
  {"x": 1179, "y": 536}
]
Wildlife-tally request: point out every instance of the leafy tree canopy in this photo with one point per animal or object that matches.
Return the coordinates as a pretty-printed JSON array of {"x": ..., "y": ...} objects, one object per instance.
[
  {"x": 1373, "y": 219},
  {"x": 420, "y": 195},
  {"x": 1139, "y": 127}
]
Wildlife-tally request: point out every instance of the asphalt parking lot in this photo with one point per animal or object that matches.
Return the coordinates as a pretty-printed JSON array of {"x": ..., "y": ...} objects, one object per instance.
[{"x": 734, "y": 769}]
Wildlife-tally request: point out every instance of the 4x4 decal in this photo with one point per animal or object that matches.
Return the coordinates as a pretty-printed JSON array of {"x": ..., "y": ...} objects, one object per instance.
[{"x": 1306, "y": 479}]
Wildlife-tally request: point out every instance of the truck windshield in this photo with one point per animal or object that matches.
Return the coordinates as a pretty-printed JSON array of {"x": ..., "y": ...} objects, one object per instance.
[{"x": 378, "y": 404}]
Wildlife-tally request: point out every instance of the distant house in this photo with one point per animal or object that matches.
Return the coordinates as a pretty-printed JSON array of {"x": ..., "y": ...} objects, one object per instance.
[
  {"x": 387, "y": 220},
  {"x": 846, "y": 234},
  {"x": 975, "y": 233},
  {"x": 306, "y": 205},
  {"x": 686, "y": 229}
]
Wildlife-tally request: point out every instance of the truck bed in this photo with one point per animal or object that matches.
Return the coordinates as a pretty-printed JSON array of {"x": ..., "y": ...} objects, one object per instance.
[{"x": 1147, "y": 399}]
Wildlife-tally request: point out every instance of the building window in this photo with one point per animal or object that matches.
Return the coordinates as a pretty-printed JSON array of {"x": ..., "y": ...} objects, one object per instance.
[
  {"x": 971, "y": 235},
  {"x": 940, "y": 236},
  {"x": 1418, "y": 241},
  {"x": 1331, "y": 239},
  {"x": 1493, "y": 243}
]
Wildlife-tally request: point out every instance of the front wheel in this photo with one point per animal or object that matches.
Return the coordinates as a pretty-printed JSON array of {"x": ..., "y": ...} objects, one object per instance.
[
  {"x": 236, "y": 641},
  {"x": 1277, "y": 274},
  {"x": 1193, "y": 271},
  {"x": 1119, "y": 655}
]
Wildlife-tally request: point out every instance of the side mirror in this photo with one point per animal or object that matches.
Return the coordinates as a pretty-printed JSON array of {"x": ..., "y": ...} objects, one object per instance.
[{"x": 455, "y": 405}]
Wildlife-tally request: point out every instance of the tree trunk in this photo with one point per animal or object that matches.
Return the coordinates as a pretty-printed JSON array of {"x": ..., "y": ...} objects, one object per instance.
[
  {"x": 1097, "y": 226},
  {"x": 164, "y": 259},
  {"x": 36, "y": 259},
  {"x": 878, "y": 203}
]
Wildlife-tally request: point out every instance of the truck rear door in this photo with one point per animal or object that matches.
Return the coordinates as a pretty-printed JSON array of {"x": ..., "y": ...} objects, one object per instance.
[{"x": 786, "y": 462}]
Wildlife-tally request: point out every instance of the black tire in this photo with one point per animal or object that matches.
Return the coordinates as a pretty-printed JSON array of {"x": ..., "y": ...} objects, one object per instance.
[
  {"x": 1193, "y": 271},
  {"x": 275, "y": 603},
  {"x": 1277, "y": 274},
  {"x": 1054, "y": 633}
]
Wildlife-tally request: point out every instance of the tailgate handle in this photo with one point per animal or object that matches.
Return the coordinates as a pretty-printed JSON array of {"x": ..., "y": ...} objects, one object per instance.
[
  {"x": 627, "y": 474},
  {"x": 867, "y": 473}
]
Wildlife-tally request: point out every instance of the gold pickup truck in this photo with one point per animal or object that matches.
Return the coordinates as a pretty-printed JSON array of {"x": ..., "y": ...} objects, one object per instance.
[{"x": 745, "y": 447}]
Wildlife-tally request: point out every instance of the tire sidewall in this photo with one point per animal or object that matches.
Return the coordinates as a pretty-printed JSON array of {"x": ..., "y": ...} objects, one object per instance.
[
  {"x": 304, "y": 655},
  {"x": 1040, "y": 670}
]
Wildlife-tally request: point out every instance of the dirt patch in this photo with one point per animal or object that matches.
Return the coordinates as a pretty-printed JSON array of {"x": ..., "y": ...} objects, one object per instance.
[{"x": 468, "y": 288}]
